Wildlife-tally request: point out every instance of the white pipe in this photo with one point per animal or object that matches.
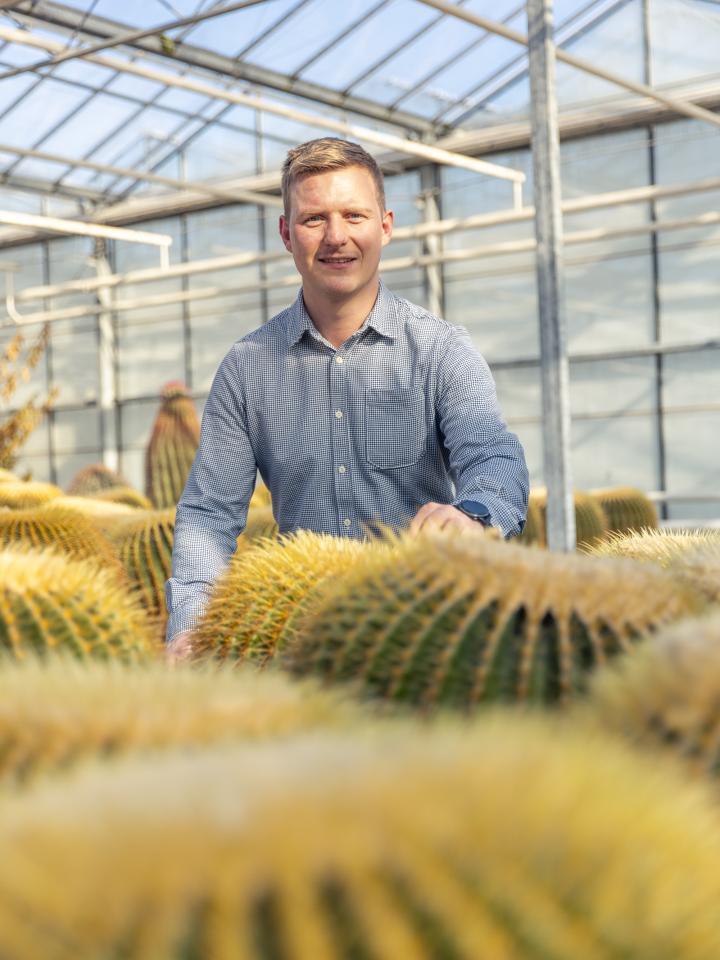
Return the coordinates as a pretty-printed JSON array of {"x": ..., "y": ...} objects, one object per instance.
[
  {"x": 84, "y": 229},
  {"x": 389, "y": 266},
  {"x": 391, "y": 141},
  {"x": 491, "y": 26}
]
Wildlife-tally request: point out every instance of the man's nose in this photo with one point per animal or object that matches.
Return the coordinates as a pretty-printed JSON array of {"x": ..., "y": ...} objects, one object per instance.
[{"x": 336, "y": 231}]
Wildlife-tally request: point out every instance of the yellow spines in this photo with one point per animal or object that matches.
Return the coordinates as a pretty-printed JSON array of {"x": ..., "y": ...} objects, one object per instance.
[
  {"x": 64, "y": 530},
  {"x": 505, "y": 841},
  {"x": 50, "y": 602},
  {"x": 23, "y": 496},
  {"x": 172, "y": 446},
  {"x": 145, "y": 547},
  {"x": 260, "y": 523},
  {"x": 626, "y": 509},
  {"x": 57, "y": 712},
  {"x": 7, "y": 476},
  {"x": 261, "y": 496},
  {"x": 263, "y": 586},
  {"x": 665, "y": 694},
  {"x": 534, "y": 529},
  {"x": 590, "y": 520},
  {"x": 92, "y": 478},
  {"x": 124, "y": 495},
  {"x": 655, "y": 546},
  {"x": 444, "y": 621}
]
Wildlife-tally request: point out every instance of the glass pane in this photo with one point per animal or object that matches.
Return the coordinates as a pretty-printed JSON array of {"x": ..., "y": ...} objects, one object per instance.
[{"x": 76, "y": 431}]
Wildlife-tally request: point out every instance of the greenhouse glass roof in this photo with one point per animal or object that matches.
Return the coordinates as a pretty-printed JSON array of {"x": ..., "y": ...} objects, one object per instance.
[{"x": 87, "y": 99}]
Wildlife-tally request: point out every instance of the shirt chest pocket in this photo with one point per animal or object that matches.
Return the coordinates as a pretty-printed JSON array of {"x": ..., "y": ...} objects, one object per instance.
[{"x": 395, "y": 429}]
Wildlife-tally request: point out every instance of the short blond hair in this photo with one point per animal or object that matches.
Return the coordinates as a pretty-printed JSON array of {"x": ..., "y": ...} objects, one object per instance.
[{"x": 323, "y": 155}]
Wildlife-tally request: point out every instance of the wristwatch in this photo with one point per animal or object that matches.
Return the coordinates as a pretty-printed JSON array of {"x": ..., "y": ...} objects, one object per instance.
[{"x": 475, "y": 510}]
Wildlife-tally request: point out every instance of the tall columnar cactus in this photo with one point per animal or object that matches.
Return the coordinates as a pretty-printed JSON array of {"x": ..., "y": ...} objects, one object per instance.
[
  {"x": 56, "y": 712},
  {"x": 173, "y": 443},
  {"x": 626, "y": 509},
  {"x": 663, "y": 547},
  {"x": 21, "y": 496},
  {"x": 666, "y": 694},
  {"x": 263, "y": 586},
  {"x": 64, "y": 530},
  {"x": 590, "y": 520},
  {"x": 464, "y": 621},
  {"x": 125, "y": 495},
  {"x": 145, "y": 547},
  {"x": 514, "y": 841},
  {"x": 93, "y": 478},
  {"x": 50, "y": 602}
]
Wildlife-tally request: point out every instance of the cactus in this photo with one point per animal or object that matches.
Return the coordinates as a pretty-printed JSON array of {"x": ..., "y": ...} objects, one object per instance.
[
  {"x": 654, "y": 546},
  {"x": 22, "y": 496},
  {"x": 590, "y": 520},
  {"x": 509, "y": 841},
  {"x": 458, "y": 622},
  {"x": 262, "y": 587},
  {"x": 700, "y": 567},
  {"x": 56, "y": 712},
  {"x": 261, "y": 496},
  {"x": 50, "y": 602},
  {"x": 534, "y": 529},
  {"x": 260, "y": 523},
  {"x": 65, "y": 531},
  {"x": 626, "y": 508},
  {"x": 7, "y": 476},
  {"x": 665, "y": 695},
  {"x": 93, "y": 478},
  {"x": 145, "y": 548},
  {"x": 123, "y": 495},
  {"x": 173, "y": 443}
]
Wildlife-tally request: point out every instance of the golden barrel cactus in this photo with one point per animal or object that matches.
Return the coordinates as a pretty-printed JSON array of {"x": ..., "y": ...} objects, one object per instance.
[
  {"x": 455, "y": 622},
  {"x": 124, "y": 495},
  {"x": 172, "y": 447},
  {"x": 262, "y": 588},
  {"x": 92, "y": 479},
  {"x": 626, "y": 509},
  {"x": 145, "y": 546},
  {"x": 512, "y": 841},
  {"x": 23, "y": 496},
  {"x": 50, "y": 602},
  {"x": 590, "y": 520},
  {"x": 663, "y": 547}
]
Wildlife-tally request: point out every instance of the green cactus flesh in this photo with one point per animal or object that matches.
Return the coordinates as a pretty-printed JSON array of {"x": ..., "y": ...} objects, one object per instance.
[
  {"x": 172, "y": 446},
  {"x": 459, "y": 622},
  {"x": 626, "y": 509},
  {"x": 49, "y": 602},
  {"x": 507, "y": 840}
]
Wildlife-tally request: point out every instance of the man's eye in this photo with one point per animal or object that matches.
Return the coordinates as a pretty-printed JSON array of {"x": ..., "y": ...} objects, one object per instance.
[
  {"x": 313, "y": 219},
  {"x": 355, "y": 216}
]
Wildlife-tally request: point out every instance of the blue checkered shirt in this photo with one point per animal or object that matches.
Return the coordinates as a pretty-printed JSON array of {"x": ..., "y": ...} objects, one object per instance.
[{"x": 403, "y": 413}]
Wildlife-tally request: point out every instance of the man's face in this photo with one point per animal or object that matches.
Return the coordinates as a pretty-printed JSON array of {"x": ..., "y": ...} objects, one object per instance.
[{"x": 335, "y": 231}]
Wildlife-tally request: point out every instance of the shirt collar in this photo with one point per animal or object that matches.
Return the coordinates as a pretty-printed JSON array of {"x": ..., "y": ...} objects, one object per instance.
[{"x": 383, "y": 318}]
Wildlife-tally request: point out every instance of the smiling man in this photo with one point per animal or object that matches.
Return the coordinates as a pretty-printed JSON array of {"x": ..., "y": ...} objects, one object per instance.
[{"x": 356, "y": 406}]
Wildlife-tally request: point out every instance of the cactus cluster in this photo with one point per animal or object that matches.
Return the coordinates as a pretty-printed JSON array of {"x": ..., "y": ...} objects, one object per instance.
[
  {"x": 457, "y": 622},
  {"x": 263, "y": 586},
  {"x": 590, "y": 520},
  {"x": 23, "y": 496},
  {"x": 50, "y": 602},
  {"x": 626, "y": 509},
  {"x": 172, "y": 447},
  {"x": 56, "y": 712},
  {"x": 93, "y": 478},
  {"x": 511, "y": 841}
]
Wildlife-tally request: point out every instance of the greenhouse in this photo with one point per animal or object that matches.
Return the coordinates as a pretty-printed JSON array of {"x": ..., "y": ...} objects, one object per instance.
[{"x": 359, "y": 480}]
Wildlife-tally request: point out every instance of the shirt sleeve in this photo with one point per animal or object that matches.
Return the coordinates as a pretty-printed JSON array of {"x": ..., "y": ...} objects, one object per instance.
[
  {"x": 485, "y": 460},
  {"x": 212, "y": 511}
]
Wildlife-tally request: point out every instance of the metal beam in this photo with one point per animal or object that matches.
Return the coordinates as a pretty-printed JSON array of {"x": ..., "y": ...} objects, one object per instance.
[
  {"x": 241, "y": 196},
  {"x": 390, "y": 141},
  {"x": 69, "y": 19},
  {"x": 675, "y": 103}
]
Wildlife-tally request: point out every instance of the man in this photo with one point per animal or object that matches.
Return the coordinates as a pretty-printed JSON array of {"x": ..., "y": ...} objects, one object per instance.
[{"x": 355, "y": 406}]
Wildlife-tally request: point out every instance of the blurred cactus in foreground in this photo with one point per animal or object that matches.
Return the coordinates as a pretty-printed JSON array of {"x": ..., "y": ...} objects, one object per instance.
[
  {"x": 502, "y": 841},
  {"x": 626, "y": 509},
  {"x": 444, "y": 621},
  {"x": 7, "y": 476},
  {"x": 23, "y": 496},
  {"x": 56, "y": 712},
  {"x": 263, "y": 586},
  {"x": 49, "y": 602},
  {"x": 93, "y": 478},
  {"x": 16, "y": 365},
  {"x": 173, "y": 444},
  {"x": 654, "y": 546}
]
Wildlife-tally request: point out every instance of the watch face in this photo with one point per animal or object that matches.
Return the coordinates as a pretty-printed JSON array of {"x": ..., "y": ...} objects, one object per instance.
[{"x": 475, "y": 509}]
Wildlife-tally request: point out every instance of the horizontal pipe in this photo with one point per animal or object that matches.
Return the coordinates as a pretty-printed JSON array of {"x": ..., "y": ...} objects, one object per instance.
[{"x": 83, "y": 228}]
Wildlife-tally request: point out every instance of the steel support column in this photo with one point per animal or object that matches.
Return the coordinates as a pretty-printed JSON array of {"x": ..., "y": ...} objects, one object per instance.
[
  {"x": 548, "y": 233},
  {"x": 106, "y": 364},
  {"x": 430, "y": 192}
]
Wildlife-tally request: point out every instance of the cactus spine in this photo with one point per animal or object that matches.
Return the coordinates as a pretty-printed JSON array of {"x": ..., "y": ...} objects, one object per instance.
[
  {"x": 663, "y": 547},
  {"x": 93, "y": 478},
  {"x": 626, "y": 509},
  {"x": 173, "y": 443},
  {"x": 459, "y": 622},
  {"x": 513, "y": 841},
  {"x": 49, "y": 602},
  {"x": 23, "y": 496},
  {"x": 262, "y": 587}
]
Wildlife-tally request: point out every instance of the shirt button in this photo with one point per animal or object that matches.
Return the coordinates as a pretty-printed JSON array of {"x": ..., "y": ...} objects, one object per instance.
[
  {"x": 339, "y": 360},
  {"x": 347, "y": 522},
  {"x": 338, "y": 414},
  {"x": 342, "y": 468}
]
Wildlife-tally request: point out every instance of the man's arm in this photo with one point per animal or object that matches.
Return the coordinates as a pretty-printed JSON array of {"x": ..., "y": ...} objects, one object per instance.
[
  {"x": 213, "y": 508},
  {"x": 486, "y": 461}
]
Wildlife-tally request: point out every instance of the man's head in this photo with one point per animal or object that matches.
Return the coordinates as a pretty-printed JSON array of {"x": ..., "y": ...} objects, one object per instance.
[{"x": 324, "y": 155}]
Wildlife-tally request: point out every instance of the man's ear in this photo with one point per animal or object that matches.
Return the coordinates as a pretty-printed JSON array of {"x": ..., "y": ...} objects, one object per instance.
[
  {"x": 284, "y": 227},
  {"x": 387, "y": 226}
]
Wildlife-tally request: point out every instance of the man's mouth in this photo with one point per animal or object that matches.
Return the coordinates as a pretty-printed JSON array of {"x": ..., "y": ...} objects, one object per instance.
[{"x": 338, "y": 260}]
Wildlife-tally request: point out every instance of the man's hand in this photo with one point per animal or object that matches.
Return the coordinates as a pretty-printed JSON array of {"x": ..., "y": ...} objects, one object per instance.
[
  {"x": 442, "y": 516},
  {"x": 179, "y": 648}
]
